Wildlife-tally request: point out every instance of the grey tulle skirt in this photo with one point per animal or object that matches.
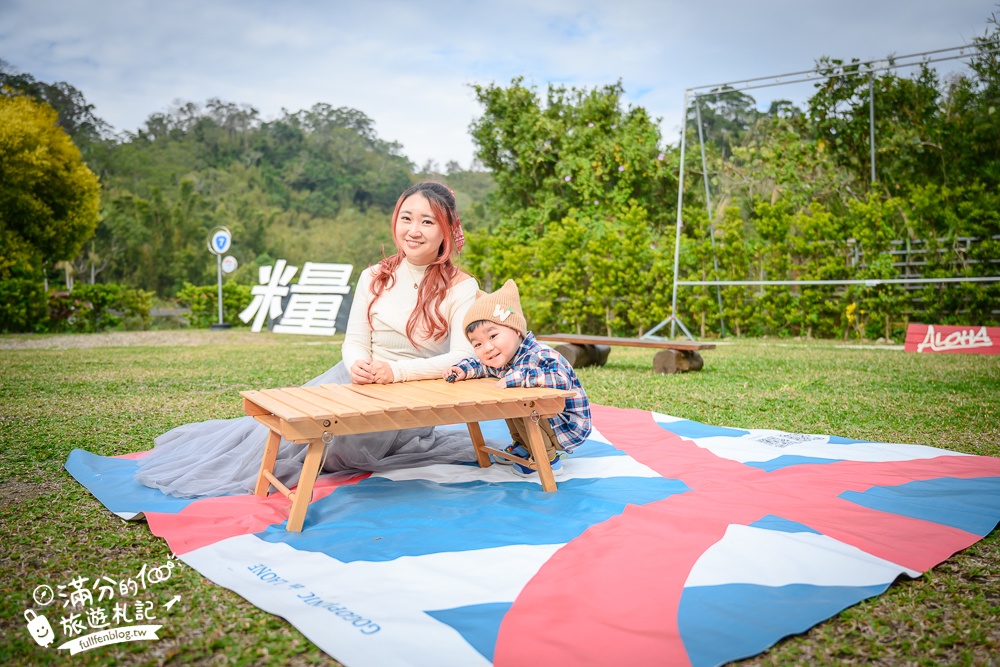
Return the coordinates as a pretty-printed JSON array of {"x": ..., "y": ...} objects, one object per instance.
[{"x": 222, "y": 456}]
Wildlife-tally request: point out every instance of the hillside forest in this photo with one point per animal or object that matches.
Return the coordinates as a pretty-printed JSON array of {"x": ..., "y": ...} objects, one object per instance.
[{"x": 573, "y": 194}]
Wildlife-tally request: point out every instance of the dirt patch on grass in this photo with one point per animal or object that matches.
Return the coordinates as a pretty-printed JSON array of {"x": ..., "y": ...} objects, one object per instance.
[{"x": 14, "y": 492}]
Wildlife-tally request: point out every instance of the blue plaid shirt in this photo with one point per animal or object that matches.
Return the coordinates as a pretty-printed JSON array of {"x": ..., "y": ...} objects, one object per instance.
[{"x": 538, "y": 365}]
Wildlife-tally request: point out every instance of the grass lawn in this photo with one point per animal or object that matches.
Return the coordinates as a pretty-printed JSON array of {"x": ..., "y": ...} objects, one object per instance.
[{"x": 111, "y": 394}]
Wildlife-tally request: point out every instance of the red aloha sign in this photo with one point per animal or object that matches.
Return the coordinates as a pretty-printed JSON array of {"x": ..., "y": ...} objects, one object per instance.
[{"x": 952, "y": 340}]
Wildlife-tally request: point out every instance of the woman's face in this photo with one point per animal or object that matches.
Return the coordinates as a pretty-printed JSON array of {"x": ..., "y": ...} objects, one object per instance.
[{"x": 417, "y": 232}]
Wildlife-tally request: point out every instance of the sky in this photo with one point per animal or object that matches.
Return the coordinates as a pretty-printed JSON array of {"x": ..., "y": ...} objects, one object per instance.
[{"x": 410, "y": 65}]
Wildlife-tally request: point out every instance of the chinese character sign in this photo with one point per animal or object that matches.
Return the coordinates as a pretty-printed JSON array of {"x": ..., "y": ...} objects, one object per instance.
[{"x": 312, "y": 304}]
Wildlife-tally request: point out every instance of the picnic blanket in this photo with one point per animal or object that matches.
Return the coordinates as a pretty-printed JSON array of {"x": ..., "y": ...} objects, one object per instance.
[{"x": 668, "y": 541}]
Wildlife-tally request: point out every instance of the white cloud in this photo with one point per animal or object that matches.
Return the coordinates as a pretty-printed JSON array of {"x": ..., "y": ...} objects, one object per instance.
[{"x": 409, "y": 65}]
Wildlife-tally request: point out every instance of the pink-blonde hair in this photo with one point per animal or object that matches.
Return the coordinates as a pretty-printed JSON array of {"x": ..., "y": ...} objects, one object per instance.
[{"x": 426, "y": 318}]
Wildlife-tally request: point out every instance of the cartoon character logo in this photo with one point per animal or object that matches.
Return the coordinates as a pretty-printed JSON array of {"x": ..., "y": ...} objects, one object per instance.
[{"x": 39, "y": 628}]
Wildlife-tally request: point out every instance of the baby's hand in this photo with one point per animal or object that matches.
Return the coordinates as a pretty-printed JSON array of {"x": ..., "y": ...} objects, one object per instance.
[
  {"x": 501, "y": 384},
  {"x": 453, "y": 373}
]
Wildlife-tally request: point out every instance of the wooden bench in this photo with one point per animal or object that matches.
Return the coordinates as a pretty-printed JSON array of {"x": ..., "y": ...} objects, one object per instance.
[
  {"x": 673, "y": 357},
  {"x": 312, "y": 416}
]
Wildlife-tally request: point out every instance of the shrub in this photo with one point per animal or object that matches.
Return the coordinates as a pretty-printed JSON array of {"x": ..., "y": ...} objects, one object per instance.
[
  {"x": 92, "y": 308},
  {"x": 22, "y": 306},
  {"x": 203, "y": 302},
  {"x": 135, "y": 305}
]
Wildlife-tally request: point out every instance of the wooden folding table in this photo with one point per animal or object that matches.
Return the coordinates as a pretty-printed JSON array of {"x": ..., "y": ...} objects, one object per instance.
[{"x": 312, "y": 416}]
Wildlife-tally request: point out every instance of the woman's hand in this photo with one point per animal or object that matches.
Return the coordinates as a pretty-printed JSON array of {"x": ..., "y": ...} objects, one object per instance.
[
  {"x": 382, "y": 372},
  {"x": 453, "y": 374},
  {"x": 362, "y": 372},
  {"x": 370, "y": 371}
]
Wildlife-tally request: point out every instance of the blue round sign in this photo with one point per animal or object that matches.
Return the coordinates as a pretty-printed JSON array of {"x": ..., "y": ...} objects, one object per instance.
[{"x": 220, "y": 240}]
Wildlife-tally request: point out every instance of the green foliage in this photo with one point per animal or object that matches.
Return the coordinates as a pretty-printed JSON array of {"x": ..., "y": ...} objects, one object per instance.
[
  {"x": 203, "y": 300},
  {"x": 779, "y": 160},
  {"x": 729, "y": 117},
  {"x": 76, "y": 115},
  {"x": 579, "y": 150},
  {"x": 136, "y": 305},
  {"x": 580, "y": 185},
  {"x": 583, "y": 213},
  {"x": 908, "y": 122},
  {"x": 22, "y": 305},
  {"x": 796, "y": 202},
  {"x": 48, "y": 196},
  {"x": 93, "y": 308},
  {"x": 870, "y": 241},
  {"x": 18, "y": 257},
  {"x": 589, "y": 273},
  {"x": 310, "y": 186},
  {"x": 926, "y": 132}
]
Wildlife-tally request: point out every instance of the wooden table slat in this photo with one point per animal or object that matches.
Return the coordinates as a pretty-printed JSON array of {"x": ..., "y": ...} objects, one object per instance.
[
  {"x": 483, "y": 391},
  {"x": 488, "y": 389},
  {"x": 326, "y": 405},
  {"x": 323, "y": 398},
  {"x": 273, "y": 405},
  {"x": 309, "y": 410},
  {"x": 453, "y": 392},
  {"x": 422, "y": 394},
  {"x": 465, "y": 392},
  {"x": 340, "y": 394},
  {"x": 392, "y": 398}
]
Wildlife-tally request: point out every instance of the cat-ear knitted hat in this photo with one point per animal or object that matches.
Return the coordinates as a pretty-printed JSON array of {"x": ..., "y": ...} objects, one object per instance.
[{"x": 502, "y": 307}]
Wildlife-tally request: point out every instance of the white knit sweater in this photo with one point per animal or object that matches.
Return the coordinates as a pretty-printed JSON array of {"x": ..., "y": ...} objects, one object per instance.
[{"x": 385, "y": 339}]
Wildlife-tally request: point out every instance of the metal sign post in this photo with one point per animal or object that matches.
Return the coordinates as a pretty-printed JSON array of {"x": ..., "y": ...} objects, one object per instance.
[{"x": 219, "y": 241}]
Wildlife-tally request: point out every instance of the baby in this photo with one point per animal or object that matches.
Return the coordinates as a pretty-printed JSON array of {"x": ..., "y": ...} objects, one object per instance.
[{"x": 504, "y": 349}]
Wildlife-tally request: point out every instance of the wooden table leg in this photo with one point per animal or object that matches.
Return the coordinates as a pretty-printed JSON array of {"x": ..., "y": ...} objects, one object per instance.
[
  {"x": 267, "y": 463},
  {"x": 307, "y": 478},
  {"x": 478, "y": 442},
  {"x": 541, "y": 459}
]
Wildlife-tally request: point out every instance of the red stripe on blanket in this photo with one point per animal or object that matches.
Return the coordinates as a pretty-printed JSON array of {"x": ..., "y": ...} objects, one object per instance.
[{"x": 211, "y": 520}]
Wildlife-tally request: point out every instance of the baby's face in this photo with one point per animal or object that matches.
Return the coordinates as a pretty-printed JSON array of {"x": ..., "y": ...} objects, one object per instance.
[{"x": 495, "y": 344}]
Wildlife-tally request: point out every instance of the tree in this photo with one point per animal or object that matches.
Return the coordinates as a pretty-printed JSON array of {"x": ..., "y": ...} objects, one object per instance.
[
  {"x": 581, "y": 185},
  {"x": 76, "y": 116},
  {"x": 309, "y": 186},
  {"x": 908, "y": 125},
  {"x": 971, "y": 133},
  {"x": 727, "y": 117},
  {"x": 580, "y": 149},
  {"x": 48, "y": 197}
]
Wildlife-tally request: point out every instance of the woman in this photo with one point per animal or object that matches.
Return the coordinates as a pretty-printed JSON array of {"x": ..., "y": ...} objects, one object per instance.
[{"x": 405, "y": 324}]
